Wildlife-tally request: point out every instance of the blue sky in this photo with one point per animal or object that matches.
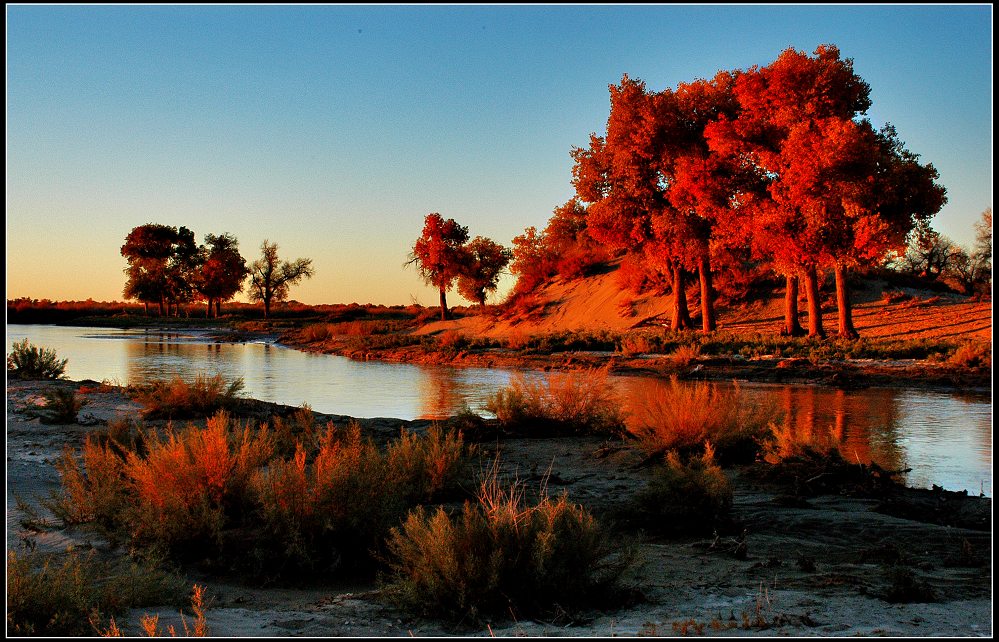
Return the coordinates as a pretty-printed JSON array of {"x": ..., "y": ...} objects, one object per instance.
[{"x": 333, "y": 130}]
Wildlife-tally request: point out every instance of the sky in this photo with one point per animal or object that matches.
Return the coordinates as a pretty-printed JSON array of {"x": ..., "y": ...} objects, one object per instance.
[{"x": 333, "y": 130}]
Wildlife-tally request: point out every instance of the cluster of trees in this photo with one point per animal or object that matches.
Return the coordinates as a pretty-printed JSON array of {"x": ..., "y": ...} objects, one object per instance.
[
  {"x": 168, "y": 268},
  {"x": 774, "y": 164},
  {"x": 934, "y": 257},
  {"x": 444, "y": 255}
]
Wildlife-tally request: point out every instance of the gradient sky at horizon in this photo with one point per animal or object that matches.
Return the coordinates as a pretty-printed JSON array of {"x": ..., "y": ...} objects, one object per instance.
[{"x": 333, "y": 130}]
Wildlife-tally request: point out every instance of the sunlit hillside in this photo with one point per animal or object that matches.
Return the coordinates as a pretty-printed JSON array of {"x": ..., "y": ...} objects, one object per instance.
[{"x": 600, "y": 303}]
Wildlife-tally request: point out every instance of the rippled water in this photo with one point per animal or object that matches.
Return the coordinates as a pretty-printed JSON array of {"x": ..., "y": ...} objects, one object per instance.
[{"x": 945, "y": 437}]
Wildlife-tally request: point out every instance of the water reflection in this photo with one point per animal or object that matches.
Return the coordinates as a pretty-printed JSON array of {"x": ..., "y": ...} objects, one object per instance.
[
  {"x": 442, "y": 393},
  {"x": 946, "y": 438}
]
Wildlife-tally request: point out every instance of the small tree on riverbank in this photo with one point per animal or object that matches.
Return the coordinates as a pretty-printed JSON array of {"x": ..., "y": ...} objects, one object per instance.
[
  {"x": 270, "y": 278},
  {"x": 440, "y": 254}
]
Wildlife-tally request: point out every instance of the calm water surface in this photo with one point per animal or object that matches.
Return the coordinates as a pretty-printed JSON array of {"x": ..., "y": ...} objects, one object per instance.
[{"x": 945, "y": 437}]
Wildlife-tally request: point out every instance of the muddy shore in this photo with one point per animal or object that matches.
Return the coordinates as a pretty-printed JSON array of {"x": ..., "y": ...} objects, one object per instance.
[{"x": 816, "y": 562}]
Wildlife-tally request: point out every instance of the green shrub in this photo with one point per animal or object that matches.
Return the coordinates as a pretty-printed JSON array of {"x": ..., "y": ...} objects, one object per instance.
[
  {"x": 579, "y": 401},
  {"x": 27, "y": 361},
  {"x": 62, "y": 594},
  {"x": 502, "y": 557},
  {"x": 685, "y": 498},
  {"x": 178, "y": 398},
  {"x": 684, "y": 416}
]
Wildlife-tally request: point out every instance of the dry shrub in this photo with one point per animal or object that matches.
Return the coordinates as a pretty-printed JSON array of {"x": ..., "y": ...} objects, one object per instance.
[
  {"x": 186, "y": 482},
  {"x": 151, "y": 623},
  {"x": 178, "y": 398},
  {"x": 61, "y": 594},
  {"x": 692, "y": 497},
  {"x": 685, "y": 354},
  {"x": 61, "y": 406},
  {"x": 451, "y": 340},
  {"x": 517, "y": 340},
  {"x": 94, "y": 489},
  {"x": 972, "y": 355},
  {"x": 578, "y": 401},
  {"x": 317, "y": 332},
  {"x": 430, "y": 465},
  {"x": 636, "y": 344},
  {"x": 793, "y": 442},
  {"x": 684, "y": 416},
  {"x": 501, "y": 556},
  {"x": 344, "y": 498},
  {"x": 299, "y": 428}
]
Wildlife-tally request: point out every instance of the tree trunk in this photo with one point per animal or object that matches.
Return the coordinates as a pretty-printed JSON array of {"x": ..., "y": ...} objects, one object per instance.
[
  {"x": 145, "y": 307},
  {"x": 218, "y": 308},
  {"x": 444, "y": 314},
  {"x": 792, "y": 327},
  {"x": 208, "y": 315},
  {"x": 267, "y": 308},
  {"x": 681, "y": 315},
  {"x": 707, "y": 295},
  {"x": 161, "y": 306},
  {"x": 843, "y": 306},
  {"x": 814, "y": 306}
]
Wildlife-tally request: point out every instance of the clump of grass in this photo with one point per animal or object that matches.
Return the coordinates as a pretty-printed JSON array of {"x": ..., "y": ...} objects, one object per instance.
[
  {"x": 579, "y": 401},
  {"x": 61, "y": 594},
  {"x": 684, "y": 416},
  {"x": 27, "y": 361},
  {"x": 502, "y": 556},
  {"x": 691, "y": 497},
  {"x": 62, "y": 406},
  {"x": 179, "y": 398}
]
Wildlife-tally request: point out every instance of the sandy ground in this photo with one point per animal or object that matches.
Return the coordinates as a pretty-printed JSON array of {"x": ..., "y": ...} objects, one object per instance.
[
  {"x": 599, "y": 303},
  {"x": 688, "y": 586}
]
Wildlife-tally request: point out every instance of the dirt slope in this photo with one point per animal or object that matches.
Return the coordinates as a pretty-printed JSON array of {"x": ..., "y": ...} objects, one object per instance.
[{"x": 598, "y": 303}]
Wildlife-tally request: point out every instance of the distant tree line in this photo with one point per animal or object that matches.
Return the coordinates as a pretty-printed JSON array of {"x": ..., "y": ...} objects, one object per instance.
[
  {"x": 167, "y": 268},
  {"x": 771, "y": 169}
]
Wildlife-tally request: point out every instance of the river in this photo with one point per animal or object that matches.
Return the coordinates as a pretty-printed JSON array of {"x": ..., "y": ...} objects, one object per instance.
[{"x": 944, "y": 437}]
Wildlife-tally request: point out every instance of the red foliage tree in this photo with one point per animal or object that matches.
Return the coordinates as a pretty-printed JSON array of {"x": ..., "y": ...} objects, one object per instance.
[
  {"x": 485, "y": 262},
  {"x": 222, "y": 271},
  {"x": 440, "y": 254}
]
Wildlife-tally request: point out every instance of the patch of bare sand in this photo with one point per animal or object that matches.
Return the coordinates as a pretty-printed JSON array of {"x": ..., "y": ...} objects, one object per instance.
[{"x": 818, "y": 568}]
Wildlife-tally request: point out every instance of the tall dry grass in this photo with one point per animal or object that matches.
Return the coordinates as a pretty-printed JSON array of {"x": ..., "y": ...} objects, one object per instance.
[
  {"x": 578, "y": 401},
  {"x": 683, "y": 416}
]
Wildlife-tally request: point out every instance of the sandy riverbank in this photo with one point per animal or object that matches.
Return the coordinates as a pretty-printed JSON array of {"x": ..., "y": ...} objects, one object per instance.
[{"x": 817, "y": 566}]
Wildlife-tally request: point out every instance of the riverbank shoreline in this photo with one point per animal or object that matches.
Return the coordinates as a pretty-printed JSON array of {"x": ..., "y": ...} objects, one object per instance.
[
  {"x": 814, "y": 564},
  {"x": 845, "y": 373}
]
